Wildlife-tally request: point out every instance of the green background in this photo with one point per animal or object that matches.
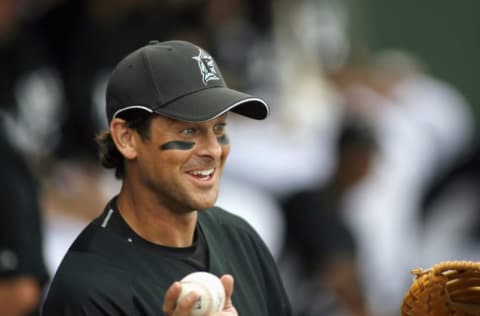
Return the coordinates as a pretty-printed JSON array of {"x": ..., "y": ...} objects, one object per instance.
[{"x": 444, "y": 34}]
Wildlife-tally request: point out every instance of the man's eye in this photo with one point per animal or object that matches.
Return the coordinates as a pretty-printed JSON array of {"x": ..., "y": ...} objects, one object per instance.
[
  {"x": 220, "y": 128},
  {"x": 188, "y": 131}
]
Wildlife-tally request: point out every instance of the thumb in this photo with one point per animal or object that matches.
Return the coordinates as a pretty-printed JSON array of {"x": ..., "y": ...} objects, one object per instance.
[{"x": 228, "y": 283}]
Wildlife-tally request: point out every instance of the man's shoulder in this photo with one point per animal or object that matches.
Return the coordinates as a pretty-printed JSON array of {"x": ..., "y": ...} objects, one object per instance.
[
  {"x": 88, "y": 274},
  {"x": 86, "y": 269},
  {"x": 217, "y": 218},
  {"x": 221, "y": 216},
  {"x": 85, "y": 281},
  {"x": 95, "y": 252},
  {"x": 93, "y": 255}
]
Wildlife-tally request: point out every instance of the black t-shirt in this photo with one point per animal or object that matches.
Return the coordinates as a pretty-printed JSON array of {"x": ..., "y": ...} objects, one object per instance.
[{"x": 112, "y": 271}]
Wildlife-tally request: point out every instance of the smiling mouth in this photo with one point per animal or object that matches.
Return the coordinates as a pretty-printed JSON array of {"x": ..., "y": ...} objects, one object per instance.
[{"x": 203, "y": 175}]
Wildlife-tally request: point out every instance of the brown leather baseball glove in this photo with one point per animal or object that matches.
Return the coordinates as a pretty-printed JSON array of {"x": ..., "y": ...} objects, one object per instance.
[{"x": 447, "y": 288}]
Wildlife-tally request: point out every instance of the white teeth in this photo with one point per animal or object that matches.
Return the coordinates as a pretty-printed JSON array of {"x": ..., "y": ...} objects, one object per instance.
[{"x": 204, "y": 173}]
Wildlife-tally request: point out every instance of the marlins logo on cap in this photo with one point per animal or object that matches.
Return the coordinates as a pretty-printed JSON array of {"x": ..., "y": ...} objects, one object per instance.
[{"x": 207, "y": 66}]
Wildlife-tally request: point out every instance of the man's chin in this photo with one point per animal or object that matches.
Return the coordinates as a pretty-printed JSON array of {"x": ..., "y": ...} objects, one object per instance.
[
  {"x": 205, "y": 206},
  {"x": 204, "y": 200}
]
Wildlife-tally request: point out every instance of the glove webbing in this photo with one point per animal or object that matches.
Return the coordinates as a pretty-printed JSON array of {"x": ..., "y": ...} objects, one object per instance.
[{"x": 448, "y": 288}]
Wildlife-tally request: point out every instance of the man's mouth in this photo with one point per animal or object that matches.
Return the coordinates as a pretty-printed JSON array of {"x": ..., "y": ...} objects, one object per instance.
[{"x": 202, "y": 175}]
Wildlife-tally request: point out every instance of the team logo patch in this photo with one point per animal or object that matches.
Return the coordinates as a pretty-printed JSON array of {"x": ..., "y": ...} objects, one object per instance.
[{"x": 207, "y": 66}]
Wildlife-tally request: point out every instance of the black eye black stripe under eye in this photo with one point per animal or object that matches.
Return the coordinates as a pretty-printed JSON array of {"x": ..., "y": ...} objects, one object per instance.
[
  {"x": 223, "y": 140},
  {"x": 178, "y": 145},
  {"x": 183, "y": 145}
]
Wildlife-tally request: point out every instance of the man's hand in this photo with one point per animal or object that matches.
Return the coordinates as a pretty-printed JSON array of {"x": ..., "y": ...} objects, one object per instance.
[{"x": 183, "y": 308}]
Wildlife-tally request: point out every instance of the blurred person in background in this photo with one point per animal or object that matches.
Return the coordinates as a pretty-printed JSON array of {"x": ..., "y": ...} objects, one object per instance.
[
  {"x": 25, "y": 128},
  {"x": 33, "y": 110},
  {"x": 23, "y": 273},
  {"x": 30, "y": 87},
  {"x": 422, "y": 124},
  {"x": 326, "y": 279}
]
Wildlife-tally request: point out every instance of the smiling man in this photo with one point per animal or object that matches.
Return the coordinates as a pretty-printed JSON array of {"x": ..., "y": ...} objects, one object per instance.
[{"x": 167, "y": 107}]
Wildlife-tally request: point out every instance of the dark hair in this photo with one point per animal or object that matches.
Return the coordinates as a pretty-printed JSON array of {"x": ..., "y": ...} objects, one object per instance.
[{"x": 109, "y": 156}]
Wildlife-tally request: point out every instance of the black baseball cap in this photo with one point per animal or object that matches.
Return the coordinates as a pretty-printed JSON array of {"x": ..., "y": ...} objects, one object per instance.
[{"x": 179, "y": 80}]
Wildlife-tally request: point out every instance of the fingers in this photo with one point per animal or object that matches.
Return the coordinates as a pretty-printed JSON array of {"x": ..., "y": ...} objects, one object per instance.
[
  {"x": 182, "y": 308},
  {"x": 228, "y": 283},
  {"x": 185, "y": 305},
  {"x": 170, "y": 299},
  {"x": 228, "y": 309}
]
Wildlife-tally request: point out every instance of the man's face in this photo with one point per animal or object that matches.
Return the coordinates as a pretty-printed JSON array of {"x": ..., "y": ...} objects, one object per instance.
[{"x": 182, "y": 162}]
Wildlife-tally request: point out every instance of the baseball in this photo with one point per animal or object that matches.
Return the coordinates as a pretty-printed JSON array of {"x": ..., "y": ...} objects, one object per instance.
[{"x": 210, "y": 290}]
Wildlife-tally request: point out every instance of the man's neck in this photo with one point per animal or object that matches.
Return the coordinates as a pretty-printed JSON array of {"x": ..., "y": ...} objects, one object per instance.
[{"x": 154, "y": 222}]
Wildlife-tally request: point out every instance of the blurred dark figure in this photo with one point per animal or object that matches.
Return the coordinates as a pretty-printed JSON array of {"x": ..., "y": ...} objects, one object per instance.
[
  {"x": 31, "y": 97},
  {"x": 319, "y": 239},
  {"x": 455, "y": 189},
  {"x": 25, "y": 120},
  {"x": 22, "y": 269}
]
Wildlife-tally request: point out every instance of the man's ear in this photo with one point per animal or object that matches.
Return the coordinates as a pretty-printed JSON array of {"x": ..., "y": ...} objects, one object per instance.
[{"x": 124, "y": 138}]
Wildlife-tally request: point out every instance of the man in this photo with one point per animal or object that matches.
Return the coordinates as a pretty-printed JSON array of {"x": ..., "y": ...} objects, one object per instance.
[
  {"x": 23, "y": 273},
  {"x": 167, "y": 105}
]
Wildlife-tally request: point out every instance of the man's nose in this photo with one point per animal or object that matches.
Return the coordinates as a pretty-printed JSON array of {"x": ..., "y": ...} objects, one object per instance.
[{"x": 210, "y": 146}]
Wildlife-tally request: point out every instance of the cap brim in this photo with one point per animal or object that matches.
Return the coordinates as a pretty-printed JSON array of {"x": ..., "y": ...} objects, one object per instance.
[{"x": 208, "y": 104}]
